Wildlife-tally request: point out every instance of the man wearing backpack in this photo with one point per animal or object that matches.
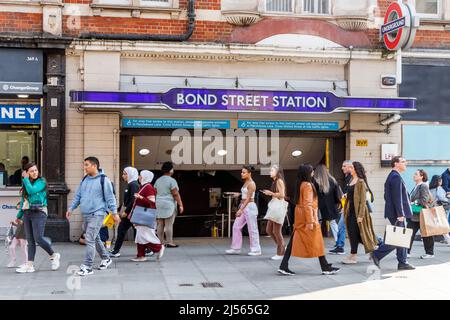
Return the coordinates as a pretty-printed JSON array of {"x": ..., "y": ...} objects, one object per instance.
[{"x": 96, "y": 198}]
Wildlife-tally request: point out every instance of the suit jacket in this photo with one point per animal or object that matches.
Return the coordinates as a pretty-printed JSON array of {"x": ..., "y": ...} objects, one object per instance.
[{"x": 397, "y": 201}]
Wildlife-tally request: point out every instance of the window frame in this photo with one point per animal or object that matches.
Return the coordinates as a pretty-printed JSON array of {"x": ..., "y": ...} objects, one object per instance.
[
  {"x": 293, "y": 6},
  {"x": 431, "y": 16},
  {"x": 314, "y": 13}
]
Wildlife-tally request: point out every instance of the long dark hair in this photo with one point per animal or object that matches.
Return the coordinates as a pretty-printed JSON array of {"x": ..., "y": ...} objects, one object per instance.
[
  {"x": 361, "y": 174},
  {"x": 435, "y": 181},
  {"x": 27, "y": 167},
  {"x": 304, "y": 174}
]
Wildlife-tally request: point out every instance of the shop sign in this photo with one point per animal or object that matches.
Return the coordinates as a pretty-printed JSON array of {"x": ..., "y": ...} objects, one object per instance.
[
  {"x": 175, "y": 123},
  {"x": 362, "y": 143},
  {"x": 388, "y": 151},
  {"x": 21, "y": 71},
  {"x": 20, "y": 114},
  {"x": 243, "y": 101},
  {"x": 8, "y": 211},
  {"x": 400, "y": 25},
  {"x": 288, "y": 125}
]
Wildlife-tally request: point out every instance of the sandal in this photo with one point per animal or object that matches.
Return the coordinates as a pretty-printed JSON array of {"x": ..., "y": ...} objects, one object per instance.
[{"x": 172, "y": 246}]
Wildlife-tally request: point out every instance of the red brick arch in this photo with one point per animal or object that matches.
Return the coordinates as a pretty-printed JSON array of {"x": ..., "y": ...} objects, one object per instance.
[{"x": 273, "y": 26}]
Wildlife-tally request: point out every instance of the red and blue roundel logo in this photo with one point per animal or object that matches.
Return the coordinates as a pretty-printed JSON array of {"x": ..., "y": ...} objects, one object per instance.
[{"x": 399, "y": 28}]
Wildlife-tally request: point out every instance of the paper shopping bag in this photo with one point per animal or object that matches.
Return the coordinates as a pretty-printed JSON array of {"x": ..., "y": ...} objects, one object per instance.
[{"x": 433, "y": 222}]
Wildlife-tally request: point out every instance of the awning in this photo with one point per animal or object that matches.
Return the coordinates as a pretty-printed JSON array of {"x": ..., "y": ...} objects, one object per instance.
[{"x": 238, "y": 100}]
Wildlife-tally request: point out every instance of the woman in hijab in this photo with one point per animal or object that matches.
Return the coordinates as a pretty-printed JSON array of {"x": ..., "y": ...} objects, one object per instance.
[
  {"x": 130, "y": 175},
  {"x": 145, "y": 236}
]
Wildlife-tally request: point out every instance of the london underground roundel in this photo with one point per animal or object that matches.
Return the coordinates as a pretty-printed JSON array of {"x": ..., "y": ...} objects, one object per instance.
[{"x": 400, "y": 25}]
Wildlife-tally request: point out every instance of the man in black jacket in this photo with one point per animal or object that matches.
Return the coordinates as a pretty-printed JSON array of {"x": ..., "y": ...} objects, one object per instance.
[{"x": 397, "y": 209}]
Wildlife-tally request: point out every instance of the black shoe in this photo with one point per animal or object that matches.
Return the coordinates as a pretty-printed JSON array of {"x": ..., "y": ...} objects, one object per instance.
[
  {"x": 406, "y": 267},
  {"x": 286, "y": 272},
  {"x": 375, "y": 260},
  {"x": 330, "y": 271},
  {"x": 337, "y": 250}
]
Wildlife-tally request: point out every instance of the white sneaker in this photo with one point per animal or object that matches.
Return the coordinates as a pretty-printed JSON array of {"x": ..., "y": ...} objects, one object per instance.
[
  {"x": 349, "y": 261},
  {"x": 427, "y": 256},
  {"x": 55, "y": 261},
  {"x": 12, "y": 264},
  {"x": 25, "y": 268},
  {"x": 85, "y": 271},
  {"x": 277, "y": 257},
  {"x": 254, "y": 253},
  {"x": 160, "y": 254},
  {"x": 105, "y": 264},
  {"x": 232, "y": 251}
]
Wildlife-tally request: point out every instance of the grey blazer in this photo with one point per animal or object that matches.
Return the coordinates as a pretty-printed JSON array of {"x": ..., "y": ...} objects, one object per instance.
[{"x": 423, "y": 196}]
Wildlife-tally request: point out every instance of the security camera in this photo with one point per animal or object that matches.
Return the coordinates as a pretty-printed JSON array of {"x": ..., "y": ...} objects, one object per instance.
[{"x": 391, "y": 120}]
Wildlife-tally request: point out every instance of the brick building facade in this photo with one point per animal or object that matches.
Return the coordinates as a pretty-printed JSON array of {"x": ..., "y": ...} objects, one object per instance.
[{"x": 141, "y": 45}]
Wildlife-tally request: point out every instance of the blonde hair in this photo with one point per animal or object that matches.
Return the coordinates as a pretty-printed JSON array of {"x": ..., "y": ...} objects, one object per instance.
[{"x": 322, "y": 177}]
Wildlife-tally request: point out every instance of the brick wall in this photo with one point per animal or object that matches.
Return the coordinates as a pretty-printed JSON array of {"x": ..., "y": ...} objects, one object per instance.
[{"x": 17, "y": 22}]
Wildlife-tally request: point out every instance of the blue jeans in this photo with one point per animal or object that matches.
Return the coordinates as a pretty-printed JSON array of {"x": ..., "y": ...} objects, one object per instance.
[
  {"x": 341, "y": 232},
  {"x": 91, "y": 225},
  {"x": 34, "y": 223},
  {"x": 384, "y": 249}
]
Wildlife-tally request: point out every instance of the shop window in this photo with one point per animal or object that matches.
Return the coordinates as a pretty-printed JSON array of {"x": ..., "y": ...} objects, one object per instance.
[
  {"x": 280, "y": 6},
  {"x": 316, "y": 6},
  {"x": 137, "y": 3},
  {"x": 14, "y": 145},
  {"x": 156, "y": 3},
  {"x": 428, "y": 8}
]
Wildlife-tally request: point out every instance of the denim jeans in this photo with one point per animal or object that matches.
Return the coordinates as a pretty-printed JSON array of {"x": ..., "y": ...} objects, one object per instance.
[
  {"x": 34, "y": 223},
  {"x": 334, "y": 229},
  {"x": 91, "y": 225},
  {"x": 340, "y": 242}
]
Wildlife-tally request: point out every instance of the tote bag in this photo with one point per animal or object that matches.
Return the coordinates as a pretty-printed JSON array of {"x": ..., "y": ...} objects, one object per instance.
[
  {"x": 142, "y": 216},
  {"x": 433, "y": 222},
  {"x": 276, "y": 210},
  {"x": 398, "y": 236}
]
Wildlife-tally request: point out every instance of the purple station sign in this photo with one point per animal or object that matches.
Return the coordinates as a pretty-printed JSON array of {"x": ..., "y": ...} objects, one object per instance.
[{"x": 188, "y": 99}]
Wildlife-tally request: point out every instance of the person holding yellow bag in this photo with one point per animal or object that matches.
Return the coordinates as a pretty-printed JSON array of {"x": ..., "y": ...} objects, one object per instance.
[{"x": 130, "y": 175}]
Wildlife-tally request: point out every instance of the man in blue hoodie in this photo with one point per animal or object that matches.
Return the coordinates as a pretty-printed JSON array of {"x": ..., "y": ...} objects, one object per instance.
[{"x": 95, "y": 201}]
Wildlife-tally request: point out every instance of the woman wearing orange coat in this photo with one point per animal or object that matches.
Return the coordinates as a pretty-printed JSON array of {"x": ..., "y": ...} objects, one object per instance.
[{"x": 306, "y": 240}]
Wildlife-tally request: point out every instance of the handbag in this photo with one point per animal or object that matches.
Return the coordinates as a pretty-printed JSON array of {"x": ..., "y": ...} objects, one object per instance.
[
  {"x": 433, "y": 222},
  {"x": 276, "y": 210},
  {"x": 397, "y": 236},
  {"x": 143, "y": 216},
  {"x": 416, "y": 209}
]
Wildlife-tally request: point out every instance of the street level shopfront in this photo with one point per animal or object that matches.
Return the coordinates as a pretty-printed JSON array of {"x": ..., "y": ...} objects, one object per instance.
[{"x": 144, "y": 105}]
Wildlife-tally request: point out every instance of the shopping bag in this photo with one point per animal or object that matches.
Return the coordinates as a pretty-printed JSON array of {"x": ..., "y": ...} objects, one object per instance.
[
  {"x": 398, "y": 236},
  {"x": 108, "y": 221},
  {"x": 433, "y": 222}
]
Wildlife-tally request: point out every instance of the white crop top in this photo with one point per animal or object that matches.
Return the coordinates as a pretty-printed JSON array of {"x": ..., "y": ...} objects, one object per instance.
[{"x": 244, "y": 192}]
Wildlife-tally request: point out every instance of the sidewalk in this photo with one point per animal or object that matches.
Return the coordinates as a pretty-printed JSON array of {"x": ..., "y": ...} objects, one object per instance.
[{"x": 182, "y": 271}]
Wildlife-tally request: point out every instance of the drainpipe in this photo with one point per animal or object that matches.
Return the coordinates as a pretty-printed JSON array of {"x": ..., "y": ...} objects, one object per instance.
[{"x": 150, "y": 37}]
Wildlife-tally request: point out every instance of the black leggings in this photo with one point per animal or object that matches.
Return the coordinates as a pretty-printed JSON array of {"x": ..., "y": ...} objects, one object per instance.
[
  {"x": 354, "y": 234},
  {"x": 122, "y": 230},
  {"x": 428, "y": 242},
  {"x": 324, "y": 265}
]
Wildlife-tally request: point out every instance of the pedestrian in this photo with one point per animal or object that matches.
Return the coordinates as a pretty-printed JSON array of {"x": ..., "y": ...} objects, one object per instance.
[
  {"x": 306, "y": 240},
  {"x": 167, "y": 198},
  {"x": 420, "y": 198},
  {"x": 440, "y": 196},
  {"x": 145, "y": 235},
  {"x": 357, "y": 217},
  {"x": 18, "y": 240},
  {"x": 446, "y": 181},
  {"x": 130, "y": 176},
  {"x": 329, "y": 195},
  {"x": 246, "y": 214},
  {"x": 277, "y": 209},
  {"x": 33, "y": 212},
  {"x": 397, "y": 209},
  {"x": 95, "y": 197},
  {"x": 342, "y": 231}
]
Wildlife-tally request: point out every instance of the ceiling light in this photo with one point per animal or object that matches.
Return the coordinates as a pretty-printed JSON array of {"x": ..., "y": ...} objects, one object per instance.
[
  {"x": 144, "y": 152},
  {"x": 24, "y": 96},
  {"x": 296, "y": 153},
  {"x": 222, "y": 152}
]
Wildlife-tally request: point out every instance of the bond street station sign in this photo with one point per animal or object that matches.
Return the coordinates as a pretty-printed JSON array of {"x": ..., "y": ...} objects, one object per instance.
[
  {"x": 189, "y": 99},
  {"x": 400, "y": 25}
]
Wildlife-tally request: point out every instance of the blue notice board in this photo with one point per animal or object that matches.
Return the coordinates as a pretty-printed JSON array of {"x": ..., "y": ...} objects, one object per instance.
[
  {"x": 288, "y": 125},
  {"x": 175, "y": 123}
]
